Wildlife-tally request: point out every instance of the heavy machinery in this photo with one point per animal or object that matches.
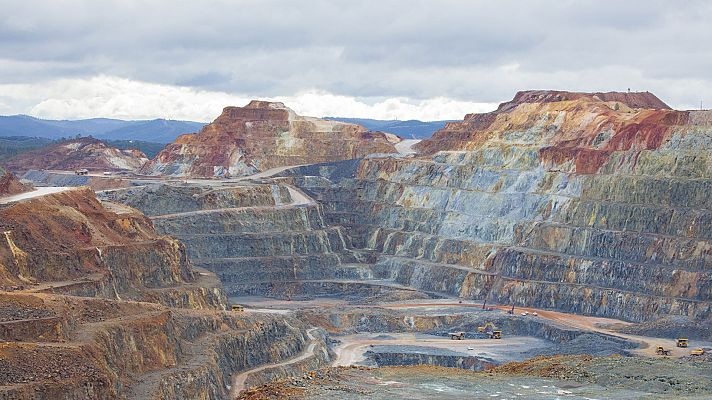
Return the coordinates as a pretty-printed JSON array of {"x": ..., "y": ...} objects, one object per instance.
[
  {"x": 662, "y": 351},
  {"x": 237, "y": 307},
  {"x": 486, "y": 328},
  {"x": 457, "y": 335},
  {"x": 698, "y": 352},
  {"x": 682, "y": 342},
  {"x": 491, "y": 330}
]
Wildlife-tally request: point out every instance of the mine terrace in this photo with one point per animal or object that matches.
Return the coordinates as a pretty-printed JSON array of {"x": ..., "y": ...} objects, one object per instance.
[{"x": 560, "y": 245}]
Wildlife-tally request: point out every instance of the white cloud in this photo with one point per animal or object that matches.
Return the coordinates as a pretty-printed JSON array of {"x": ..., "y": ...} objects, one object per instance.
[{"x": 113, "y": 97}]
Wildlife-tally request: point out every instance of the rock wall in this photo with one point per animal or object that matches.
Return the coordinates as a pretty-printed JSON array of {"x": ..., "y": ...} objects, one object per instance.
[
  {"x": 384, "y": 358},
  {"x": 574, "y": 203},
  {"x": 254, "y": 237}
]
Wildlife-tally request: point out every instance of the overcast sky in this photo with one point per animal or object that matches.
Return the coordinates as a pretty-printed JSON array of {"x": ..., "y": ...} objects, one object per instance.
[{"x": 380, "y": 59}]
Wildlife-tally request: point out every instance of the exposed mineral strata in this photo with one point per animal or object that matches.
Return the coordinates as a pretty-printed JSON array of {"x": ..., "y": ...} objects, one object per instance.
[
  {"x": 264, "y": 135},
  {"x": 86, "y": 152},
  {"x": 579, "y": 202}
]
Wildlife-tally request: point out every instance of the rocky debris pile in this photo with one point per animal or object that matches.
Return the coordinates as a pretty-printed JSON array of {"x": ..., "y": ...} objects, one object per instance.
[
  {"x": 83, "y": 153},
  {"x": 47, "y": 365},
  {"x": 261, "y": 136},
  {"x": 332, "y": 379},
  {"x": 12, "y": 310},
  {"x": 706, "y": 357},
  {"x": 9, "y": 184},
  {"x": 661, "y": 375}
]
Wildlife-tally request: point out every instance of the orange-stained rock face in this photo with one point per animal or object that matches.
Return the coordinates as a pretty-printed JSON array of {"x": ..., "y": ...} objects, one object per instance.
[
  {"x": 86, "y": 152},
  {"x": 69, "y": 235},
  {"x": 264, "y": 135},
  {"x": 582, "y": 129}
]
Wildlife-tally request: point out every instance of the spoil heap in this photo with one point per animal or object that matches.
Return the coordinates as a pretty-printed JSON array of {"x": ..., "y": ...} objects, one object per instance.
[{"x": 9, "y": 185}]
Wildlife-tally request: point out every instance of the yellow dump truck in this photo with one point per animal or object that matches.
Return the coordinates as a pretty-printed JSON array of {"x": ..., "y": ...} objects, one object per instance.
[
  {"x": 496, "y": 335},
  {"x": 457, "y": 335},
  {"x": 682, "y": 342},
  {"x": 237, "y": 307},
  {"x": 698, "y": 352}
]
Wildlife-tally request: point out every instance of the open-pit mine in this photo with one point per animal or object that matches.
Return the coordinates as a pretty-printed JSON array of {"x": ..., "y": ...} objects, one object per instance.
[{"x": 558, "y": 247}]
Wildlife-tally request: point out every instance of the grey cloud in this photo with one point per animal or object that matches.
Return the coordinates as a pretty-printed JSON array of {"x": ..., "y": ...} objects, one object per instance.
[{"x": 419, "y": 49}]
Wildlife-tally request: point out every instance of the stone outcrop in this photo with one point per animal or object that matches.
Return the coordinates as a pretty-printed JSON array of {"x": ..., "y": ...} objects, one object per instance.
[
  {"x": 86, "y": 152},
  {"x": 580, "y": 202},
  {"x": 261, "y": 136}
]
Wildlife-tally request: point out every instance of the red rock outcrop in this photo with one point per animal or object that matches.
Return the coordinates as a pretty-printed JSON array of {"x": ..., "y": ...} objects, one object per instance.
[
  {"x": 264, "y": 135},
  {"x": 86, "y": 152},
  {"x": 583, "y": 128}
]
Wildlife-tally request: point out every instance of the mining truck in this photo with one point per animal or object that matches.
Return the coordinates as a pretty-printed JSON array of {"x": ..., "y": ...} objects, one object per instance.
[
  {"x": 491, "y": 330},
  {"x": 457, "y": 335},
  {"x": 682, "y": 342},
  {"x": 237, "y": 307},
  {"x": 698, "y": 352}
]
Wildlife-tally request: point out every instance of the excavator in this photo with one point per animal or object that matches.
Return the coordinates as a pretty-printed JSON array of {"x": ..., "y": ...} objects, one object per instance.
[
  {"x": 491, "y": 330},
  {"x": 662, "y": 351}
]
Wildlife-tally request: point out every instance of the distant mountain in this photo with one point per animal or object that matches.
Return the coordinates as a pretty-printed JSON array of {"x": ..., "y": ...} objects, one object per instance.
[
  {"x": 411, "y": 129},
  {"x": 157, "y": 130}
]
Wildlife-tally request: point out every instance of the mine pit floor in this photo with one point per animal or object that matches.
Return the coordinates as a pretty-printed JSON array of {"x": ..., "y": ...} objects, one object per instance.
[{"x": 352, "y": 349}]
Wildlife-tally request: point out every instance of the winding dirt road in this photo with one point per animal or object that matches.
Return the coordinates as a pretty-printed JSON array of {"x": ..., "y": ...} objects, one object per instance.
[
  {"x": 238, "y": 381},
  {"x": 38, "y": 192}
]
